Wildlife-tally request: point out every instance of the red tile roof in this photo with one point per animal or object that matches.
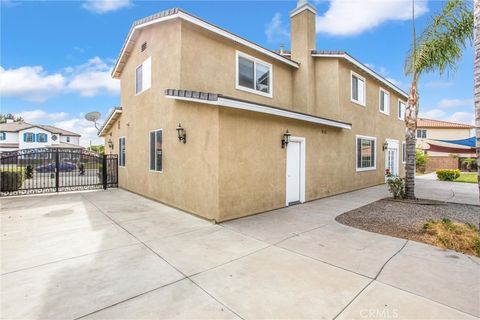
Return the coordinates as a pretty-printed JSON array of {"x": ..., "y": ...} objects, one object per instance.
[{"x": 430, "y": 123}]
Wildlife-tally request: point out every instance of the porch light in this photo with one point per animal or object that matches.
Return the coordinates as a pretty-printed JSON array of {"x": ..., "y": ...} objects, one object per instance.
[
  {"x": 286, "y": 139},
  {"x": 385, "y": 146},
  {"x": 110, "y": 144},
  {"x": 182, "y": 135}
]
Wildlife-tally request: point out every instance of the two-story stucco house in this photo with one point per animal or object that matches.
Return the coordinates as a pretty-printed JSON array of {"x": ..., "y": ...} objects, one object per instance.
[
  {"x": 16, "y": 135},
  {"x": 221, "y": 127},
  {"x": 445, "y": 142}
]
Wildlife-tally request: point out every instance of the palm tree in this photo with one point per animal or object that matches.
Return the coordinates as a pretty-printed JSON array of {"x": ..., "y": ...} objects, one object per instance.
[
  {"x": 438, "y": 49},
  {"x": 477, "y": 81}
]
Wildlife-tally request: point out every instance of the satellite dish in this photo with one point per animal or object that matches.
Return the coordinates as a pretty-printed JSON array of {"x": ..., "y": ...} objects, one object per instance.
[{"x": 93, "y": 117}]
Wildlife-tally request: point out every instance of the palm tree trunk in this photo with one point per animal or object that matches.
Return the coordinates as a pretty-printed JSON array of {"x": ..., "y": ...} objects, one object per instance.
[
  {"x": 411, "y": 114},
  {"x": 477, "y": 82}
]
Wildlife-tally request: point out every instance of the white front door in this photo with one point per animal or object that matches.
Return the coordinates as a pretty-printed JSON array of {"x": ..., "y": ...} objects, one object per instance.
[
  {"x": 391, "y": 157},
  {"x": 295, "y": 171}
]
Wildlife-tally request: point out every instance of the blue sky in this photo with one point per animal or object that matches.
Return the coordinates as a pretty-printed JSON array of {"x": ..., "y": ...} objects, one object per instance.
[{"x": 56, "y": 56}]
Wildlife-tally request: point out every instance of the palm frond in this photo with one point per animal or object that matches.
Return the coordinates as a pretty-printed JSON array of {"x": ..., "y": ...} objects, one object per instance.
[{"x": 440, "y": 46}]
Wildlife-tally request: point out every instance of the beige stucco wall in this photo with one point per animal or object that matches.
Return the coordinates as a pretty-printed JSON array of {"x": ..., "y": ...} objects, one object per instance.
[
  {"x": 448, "y": 134},
  {"x": 233, "y": 164}
]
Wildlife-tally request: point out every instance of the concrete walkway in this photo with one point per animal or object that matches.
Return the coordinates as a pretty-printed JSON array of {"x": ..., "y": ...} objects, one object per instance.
[{"x": 112, "y": 254}]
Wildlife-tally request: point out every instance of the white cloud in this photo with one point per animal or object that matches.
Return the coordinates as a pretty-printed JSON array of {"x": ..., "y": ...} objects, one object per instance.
[
  {"x": 438, "y": 84},
  {"x": 104, "y": 6},
  {"x": 30, "y": 82},
  {"x": 33, "y": 83},
  {"x": 41, "y": 115},
  {"x": 92, "y": 78},
  {"x": 275, "y": 30},
  {"x": 438, "y": 114},
  {"x": 349, "y": 18},
  {"x": 83, "y": 127},
  {"x": 455, "y": 103}
]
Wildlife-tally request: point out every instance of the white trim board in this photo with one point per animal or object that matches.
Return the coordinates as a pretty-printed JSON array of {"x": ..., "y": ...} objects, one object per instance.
[
  {"x": 231, "y": 103},
  {"x": 364, "y": 68},
  {"x": 116, "y": 111},
  {"x": 204, "y": 25}
]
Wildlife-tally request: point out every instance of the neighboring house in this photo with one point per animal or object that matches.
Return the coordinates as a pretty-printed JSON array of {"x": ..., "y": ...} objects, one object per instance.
[
  {"x": 204, "y": 112},
  {"x": 445, "y": 142},
  {"x": 22, "y": 135}
]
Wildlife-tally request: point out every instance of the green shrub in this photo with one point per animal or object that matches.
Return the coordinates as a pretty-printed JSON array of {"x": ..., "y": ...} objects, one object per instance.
[
  {"x": 11, "y": 180},
  {"x": 396, "y": 186},
  {"x": 421, "y": 160},
  {"x": 448, "y": 174}
]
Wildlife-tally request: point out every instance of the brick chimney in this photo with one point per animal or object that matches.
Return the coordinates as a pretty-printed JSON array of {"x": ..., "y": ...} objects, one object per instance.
[{"x": 303, "y": 41}]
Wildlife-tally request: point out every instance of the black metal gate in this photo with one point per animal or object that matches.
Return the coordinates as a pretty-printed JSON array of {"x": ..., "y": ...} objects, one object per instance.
[{"x": 30, "y": 171}]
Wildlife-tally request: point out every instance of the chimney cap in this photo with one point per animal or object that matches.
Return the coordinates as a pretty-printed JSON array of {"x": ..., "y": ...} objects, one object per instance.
[{"x": 301, "y": 6}]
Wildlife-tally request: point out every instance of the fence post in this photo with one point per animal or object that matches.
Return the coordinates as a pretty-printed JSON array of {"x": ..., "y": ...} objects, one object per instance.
[
  {"x": 104, "y": 172},
  {"x": 57, "y": 170}
]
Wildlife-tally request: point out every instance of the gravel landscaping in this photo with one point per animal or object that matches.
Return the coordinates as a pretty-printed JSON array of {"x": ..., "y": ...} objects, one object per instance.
[{"x": 405, "y": 219}]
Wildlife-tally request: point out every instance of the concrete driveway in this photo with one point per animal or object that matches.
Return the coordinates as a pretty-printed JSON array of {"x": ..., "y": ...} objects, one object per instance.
[{"x": 113, "y": 254}]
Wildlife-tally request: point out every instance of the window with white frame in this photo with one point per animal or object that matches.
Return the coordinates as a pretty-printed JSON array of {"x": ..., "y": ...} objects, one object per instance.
[
  {"x": 3, "y": 136},
  {"x": 42, "y": 137},
  {"x": 143, "y": 76},
  {"x": 254, "y": 75},
  {"x": 384, "y": 101},
  {"x": 404, "y": 152},
  {"x": 68, "y": 139},
  {"x": 358, "y": 89},
  {"x": 401, "y": 110},
  {"x": 121, "y": 152},
  {"x": 366, "y": 153},
  {"x": 156, "y": 141},
  {"x": 422, "y": 133}
]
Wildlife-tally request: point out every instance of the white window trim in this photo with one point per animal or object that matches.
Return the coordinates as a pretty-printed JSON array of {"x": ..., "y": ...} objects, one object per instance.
[
  {"x": 120, "y": 151},
  {"x": 404, "y": 111},
  {"x": 387, "y": 101},
  {"x": 416, "y": 134},
  {"x": 404, "y": 149},
  {"x": 255, "y": 60},
  {"x": 374, "y": 153},
  {"x": 143, "y": 75},
  {"x": 364, "y": 104},
  {"x": 150, "y": 150}
]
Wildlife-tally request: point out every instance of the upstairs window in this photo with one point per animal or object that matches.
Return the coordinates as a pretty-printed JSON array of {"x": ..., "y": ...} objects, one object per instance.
[
  {"x": 254, "y": 75},
  {"x": 358, "y": 89},
  {"x": 29, "y": 137},
  {"x": 68, "y": 139},
  {"x": 121, "y": 153},
  {"x": 401, "y": 110},
  {"x": 366, "y": 153},
  {"x": 384, "y": 101},
  {"x": 156, "y": 141},
  {"x": 422, "y": 133},
  {"x": 3, "y": 136},
  {"x": 42, "y": 137},
  {"x": 143, "y": 75}
]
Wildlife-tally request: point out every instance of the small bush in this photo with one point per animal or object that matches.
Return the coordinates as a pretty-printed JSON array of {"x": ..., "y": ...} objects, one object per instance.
[
  {"x": 11, "y": 180},
  {"x": 421, "y": 160},
  {"x": 448, "y": 174},
  {"x": 396, "y": 186},
  {"x": 461, "y": 237}
]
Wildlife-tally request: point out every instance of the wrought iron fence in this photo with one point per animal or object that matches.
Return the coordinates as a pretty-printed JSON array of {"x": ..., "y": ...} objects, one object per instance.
[{"x": 43, "y": 170}]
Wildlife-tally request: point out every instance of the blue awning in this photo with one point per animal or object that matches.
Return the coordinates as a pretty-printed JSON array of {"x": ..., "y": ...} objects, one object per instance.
[{"x": 470, "y": 142}]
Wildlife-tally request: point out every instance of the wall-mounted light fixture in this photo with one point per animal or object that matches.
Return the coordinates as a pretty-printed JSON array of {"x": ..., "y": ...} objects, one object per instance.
[
  {"x": 110, "y": 144},
  {"x": 182, "y": 134},
  {"x": 286, "y": 139},
  {"x": 385, "y": 146}
]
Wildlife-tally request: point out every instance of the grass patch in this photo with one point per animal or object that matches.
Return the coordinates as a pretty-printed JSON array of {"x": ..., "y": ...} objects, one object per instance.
[
  {"x": 461, "y": 237},
  {"x": 468, "y": 177}
]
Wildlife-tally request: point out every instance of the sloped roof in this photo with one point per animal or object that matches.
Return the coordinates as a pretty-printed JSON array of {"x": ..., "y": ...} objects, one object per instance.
[
  {"x": 431, "y": 123},
  {"x": 21, "y": 125}
]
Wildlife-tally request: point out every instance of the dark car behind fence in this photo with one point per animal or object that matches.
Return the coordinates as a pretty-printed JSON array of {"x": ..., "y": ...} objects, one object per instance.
[{"x": 43, "y": 170}]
